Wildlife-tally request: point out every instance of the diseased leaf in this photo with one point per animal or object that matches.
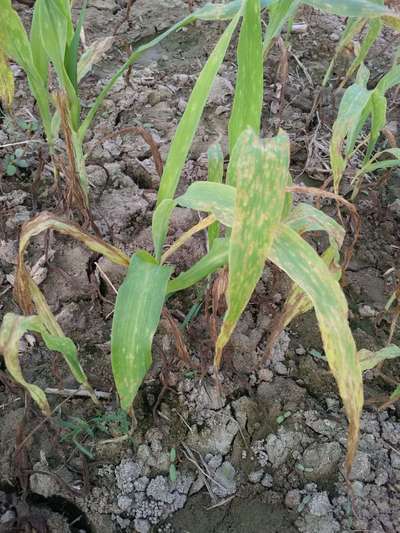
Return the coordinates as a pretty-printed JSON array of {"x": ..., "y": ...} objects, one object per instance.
[
  {"x": 46, "y": 221},
  {"x": 216, "y": 258},
  {"x": 6, "y": 82},
  {"x": 260, "y": 171},
  {"x": 215, "y": 198},
  {"x": 93, "y": 55},
  {"x": 55, "y": 339},
  {"x": 305, "y": 218},
  {"x": 137, "y": 314},
  {"x": 13, "y": 328},
  {"x": 369, "y": 360},
  {"x": 248, "y": 99},
  {"x": 191, "y": 117},
  {"x": 303, "y": 265},
  {"x": 13, "y": 38}
]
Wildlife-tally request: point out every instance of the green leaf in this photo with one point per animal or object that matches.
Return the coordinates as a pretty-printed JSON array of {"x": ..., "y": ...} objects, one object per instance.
[
  {"x": 279, "y": 13},
  {"x": 40, "y": 56},
  {"x": 191, "y": 117},
  {"x": 248, "y": 99},
  {"x": 351, "y": 8},
  {"x": 303, "y": 265},
  {"x": 378, "y": 120},
  {"x": 15, "y": 45},
  {"x": 215, "y": 175},
  {"x": 374, "y": 30},
  {"x": 159, "y": 227},
  {"x": 56, "y": 31},
  {"x": 71, "y": 51},
  {"x": 395, "y": 394},
  {"x": 389, "y": 80},
  {"x": 137, "y": 314},
  {"x": 373, "y": 164},
  {"x": 353, "y": 26},
  {"x": 208, "y": 12},
  {"x": 216, "y": 258},
  {"x": 215, "y": 198},
  {"x": 11, "y": 169},
  {"x": 369, "y": 360},
  {"x": 351, "y": 109},
  {"x": 260, "y": 171}
]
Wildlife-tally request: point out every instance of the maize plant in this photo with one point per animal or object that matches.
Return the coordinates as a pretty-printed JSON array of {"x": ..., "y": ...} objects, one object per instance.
[
  {"x": 359, "y": 106},
  {"x": 253, "y": 201}
]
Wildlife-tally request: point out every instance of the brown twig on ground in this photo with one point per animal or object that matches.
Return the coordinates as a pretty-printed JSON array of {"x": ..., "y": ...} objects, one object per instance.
[
  {"x": 37, "y": 178},
  {"x": 78, "y": 393},
  {"x": 217, "y": 291},
  {"x": 282, "y": 76},
  {"x": 179, "y": 342}
]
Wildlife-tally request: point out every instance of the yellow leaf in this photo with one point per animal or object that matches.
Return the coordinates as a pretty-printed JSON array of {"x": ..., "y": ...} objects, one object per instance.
[{"x": 6, "y": 82}]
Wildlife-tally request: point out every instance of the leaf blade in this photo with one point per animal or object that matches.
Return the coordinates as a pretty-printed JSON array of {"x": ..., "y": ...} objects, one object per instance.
[
  {"x": 303, "y": 265},
  {"x": 191, "y": 117},
  {"x": 248, "y": 99},
  {"x": 137, "y": 313},
  {"x": 261, "y": 171}
]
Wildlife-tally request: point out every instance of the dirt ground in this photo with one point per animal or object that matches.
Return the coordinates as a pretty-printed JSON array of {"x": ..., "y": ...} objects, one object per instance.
[{"x": 268, "y": 455}]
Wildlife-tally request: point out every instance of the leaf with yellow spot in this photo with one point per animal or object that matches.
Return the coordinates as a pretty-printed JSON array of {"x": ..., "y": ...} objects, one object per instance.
[
  {"x": 305, "y": 218},
  {"x": 302, "y": 264},
  {"x": 215, "y": 198},
  {"x": 137, "y": 314},
  {"x": 6, "y": 82},
  {"x": 260, "y": 171}
]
